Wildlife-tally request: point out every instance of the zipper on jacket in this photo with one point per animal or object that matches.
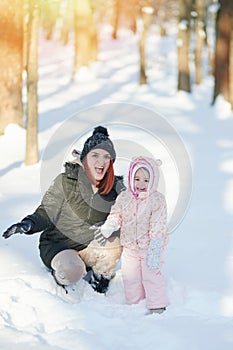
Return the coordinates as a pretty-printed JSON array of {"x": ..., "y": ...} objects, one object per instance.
[
  {"x": 90, "y": 206},
  {"x": 136, "y": 219}
]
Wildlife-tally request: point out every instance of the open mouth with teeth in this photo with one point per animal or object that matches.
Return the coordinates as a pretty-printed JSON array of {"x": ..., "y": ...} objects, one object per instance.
[
  {"x": 99, "y": 170},
  {"x": 141, "y": 189}
]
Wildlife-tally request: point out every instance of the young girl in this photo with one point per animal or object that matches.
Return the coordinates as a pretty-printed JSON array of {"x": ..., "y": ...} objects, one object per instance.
[{"x": 141, "y": 213}]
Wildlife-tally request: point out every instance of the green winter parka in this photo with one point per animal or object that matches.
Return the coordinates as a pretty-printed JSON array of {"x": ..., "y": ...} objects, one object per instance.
[{"x": 67, "y": 211}]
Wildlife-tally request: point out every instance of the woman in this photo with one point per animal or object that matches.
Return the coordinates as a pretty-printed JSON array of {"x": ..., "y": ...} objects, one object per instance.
[{"x": 78, "y": 198}]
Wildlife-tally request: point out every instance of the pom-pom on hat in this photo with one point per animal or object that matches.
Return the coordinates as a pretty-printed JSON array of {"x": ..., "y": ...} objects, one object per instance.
[{"x": 99, "y": 139}]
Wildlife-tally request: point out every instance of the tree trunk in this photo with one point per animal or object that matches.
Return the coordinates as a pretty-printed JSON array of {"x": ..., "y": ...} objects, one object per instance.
[
  {"x": 133, "y": 14},
  {"x": 223, "y": 33},
  {"x": 31, "y": 156},
  {"x": 66, "y": 20},
  {"x": 11, "y": 61},
  {"x": 49, "y": 16},
  {"x": 86, "y": 42},
  {"x": 25, "y": 33},
  {"x": 210, "y": 39},
  {"x": 147, "y": 13},
  {"x": 116, "y": 16},
  {"x": 183, "y": 45},
  {"x": 200, "y": 39},
  {"x": 161, "y": 16},
  {"x": 231, "y": 64}
]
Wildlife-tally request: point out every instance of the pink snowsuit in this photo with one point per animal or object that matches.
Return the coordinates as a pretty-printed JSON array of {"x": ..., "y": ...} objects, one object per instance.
[{"x": 141, "y": 218}]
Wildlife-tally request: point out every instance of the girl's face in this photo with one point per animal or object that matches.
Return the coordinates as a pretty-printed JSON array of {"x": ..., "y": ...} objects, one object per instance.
[
  {"x": 96, "y": 164},
  {"x": 141, "y": 180}
]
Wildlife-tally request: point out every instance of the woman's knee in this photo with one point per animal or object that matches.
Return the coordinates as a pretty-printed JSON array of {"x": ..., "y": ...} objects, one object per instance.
[
  {"x": 103, "y": 260},
  {"x": 68, "y": 267},
  {"x": 107, "y": 260}
]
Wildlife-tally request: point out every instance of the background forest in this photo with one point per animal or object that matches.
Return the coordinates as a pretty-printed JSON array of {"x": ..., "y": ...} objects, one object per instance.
[
  {"x": 204, "y": 32},
  {"x": 67, "y": 66}
]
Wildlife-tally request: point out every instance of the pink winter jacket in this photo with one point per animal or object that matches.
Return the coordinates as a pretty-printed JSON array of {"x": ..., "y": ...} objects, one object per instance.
[{"x": 141, "y": 217}]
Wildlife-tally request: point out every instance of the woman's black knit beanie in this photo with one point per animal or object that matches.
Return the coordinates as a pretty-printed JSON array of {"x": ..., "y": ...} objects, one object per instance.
[{"x": 99, "y": 139}]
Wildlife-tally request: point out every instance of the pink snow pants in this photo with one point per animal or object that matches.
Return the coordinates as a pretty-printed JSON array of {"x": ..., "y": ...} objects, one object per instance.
[{"x": 140, "y": 282}]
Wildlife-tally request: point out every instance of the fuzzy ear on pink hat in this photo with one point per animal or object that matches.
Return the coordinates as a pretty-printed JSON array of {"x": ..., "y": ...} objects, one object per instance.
[{"x": 158, "y": 162}]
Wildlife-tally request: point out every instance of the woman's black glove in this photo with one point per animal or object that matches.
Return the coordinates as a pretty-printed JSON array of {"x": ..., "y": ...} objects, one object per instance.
[{"x": 21, "y": 227}]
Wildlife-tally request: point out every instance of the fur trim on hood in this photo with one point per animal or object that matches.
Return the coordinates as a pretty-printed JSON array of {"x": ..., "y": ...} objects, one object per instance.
[{"x": 152, "y": 165}]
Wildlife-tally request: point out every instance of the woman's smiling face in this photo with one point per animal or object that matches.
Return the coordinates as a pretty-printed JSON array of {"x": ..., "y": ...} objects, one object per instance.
[{"x": 96, "y": 164}]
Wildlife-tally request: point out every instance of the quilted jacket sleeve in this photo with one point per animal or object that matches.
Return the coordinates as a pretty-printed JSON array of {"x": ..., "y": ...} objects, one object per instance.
[
  {"x": 158, "y": 222},
  {"x": 48, "y": 211},
  {"x": 114, "y": 219}
]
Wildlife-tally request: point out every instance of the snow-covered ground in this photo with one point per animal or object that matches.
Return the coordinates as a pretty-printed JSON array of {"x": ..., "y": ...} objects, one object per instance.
[{"x": 194, "y": 140}]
